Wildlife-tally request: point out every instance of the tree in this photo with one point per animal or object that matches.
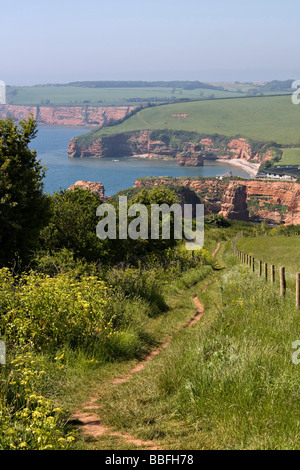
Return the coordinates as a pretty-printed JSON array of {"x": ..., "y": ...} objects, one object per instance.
[
  {"x": 23, "y": 206},
  {"x": 158, "y": 195},
  {"x": 133, "y": 250},
  {"x": 72, "y": 225}
]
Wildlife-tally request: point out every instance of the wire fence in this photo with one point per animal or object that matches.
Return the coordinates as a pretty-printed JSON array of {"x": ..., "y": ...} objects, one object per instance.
[{"x": 266, "y": 271}]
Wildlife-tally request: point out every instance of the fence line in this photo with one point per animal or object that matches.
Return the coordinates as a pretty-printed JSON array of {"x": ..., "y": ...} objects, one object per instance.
[
  {"x": 290, "y": 274},
  {"x": 263, "y": 271}
]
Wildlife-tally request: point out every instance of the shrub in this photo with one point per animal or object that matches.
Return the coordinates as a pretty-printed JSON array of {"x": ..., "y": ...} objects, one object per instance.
[
  {"x": 48, "y": 313},
  {"x": 73, "y": 224},
  {"x": 28, "y": 419}
]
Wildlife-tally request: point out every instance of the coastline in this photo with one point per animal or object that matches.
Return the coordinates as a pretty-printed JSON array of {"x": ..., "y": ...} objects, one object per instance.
[
  {"x": 250, "y": 168},
  {"x": 150, "y": 156}
]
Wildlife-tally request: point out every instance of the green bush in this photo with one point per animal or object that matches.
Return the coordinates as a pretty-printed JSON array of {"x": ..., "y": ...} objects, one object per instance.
[
  {"x": 136, "y": 283},
  {"x": 72, "y": 225},
  {"x": 48, "y": 313}
]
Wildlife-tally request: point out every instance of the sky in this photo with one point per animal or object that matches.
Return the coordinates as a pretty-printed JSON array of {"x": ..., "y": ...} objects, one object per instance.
[{"x": 60, "y": 41}]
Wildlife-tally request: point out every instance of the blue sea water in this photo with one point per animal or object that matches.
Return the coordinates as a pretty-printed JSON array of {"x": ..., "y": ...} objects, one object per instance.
[{"x": 115, "y": 173}]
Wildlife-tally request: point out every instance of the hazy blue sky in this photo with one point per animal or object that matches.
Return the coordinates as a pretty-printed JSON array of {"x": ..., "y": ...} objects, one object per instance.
[{"x": 68, "y": 40}]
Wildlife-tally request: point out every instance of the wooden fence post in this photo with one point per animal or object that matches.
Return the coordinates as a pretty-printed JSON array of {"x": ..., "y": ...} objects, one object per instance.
[
  {"x": 266, "y": 271},
  {"x": 253, "y": 264},
  {"x": 282, "y": 281},
  {"x": 272, "y": 273},
  {"x": 259, "y": 268},
  {"x": 298, "y": 290}
]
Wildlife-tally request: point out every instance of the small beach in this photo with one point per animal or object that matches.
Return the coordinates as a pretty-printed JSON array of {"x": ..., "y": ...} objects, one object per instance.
[{"x": 250, "y": 168}]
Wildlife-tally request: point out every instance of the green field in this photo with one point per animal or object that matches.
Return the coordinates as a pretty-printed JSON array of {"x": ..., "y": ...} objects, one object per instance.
[
  {"x": 290, "y": 157},
  {"x": 278, "y": 250},
  {"x": 264, "y": 118},
  {"x": 122, "y": 93},
  {"x": 73, "y": 95}
]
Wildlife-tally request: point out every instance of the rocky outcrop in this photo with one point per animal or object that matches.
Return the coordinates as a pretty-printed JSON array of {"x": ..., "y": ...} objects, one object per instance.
[
  {"x": 234, "y": 205},
  {"x": 96, "y": 149},
  {"x": 134, "y": 145},
  {"x": 190, "y": 160},
  {"x": 206, "y": 142},
  {"x": 241, "y": 149},
  {"x": 189, "y": 148},
  {"x": 94, "y": 186},
  {"x": 294, "y": 207},
  {"x": 192, "y": 156},
  {"x": 270, "y": 201},
  {"x": 66, "y": 115}
]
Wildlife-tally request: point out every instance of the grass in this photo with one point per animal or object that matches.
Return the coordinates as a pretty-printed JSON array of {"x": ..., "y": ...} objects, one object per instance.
[
  {"x": 290, "y": 157},
  {"x": 227, "y": 383},
  {"x": 278, "y": 250},
  {"x": 181, "y": 308},
  {"x": 264, "y": 118},
  {"x": 78, "y": 96}
]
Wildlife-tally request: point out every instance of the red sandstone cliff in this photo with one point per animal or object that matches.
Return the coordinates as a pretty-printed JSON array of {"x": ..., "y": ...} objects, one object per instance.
[
  {"x": 271, "y": 201},
  {"x": 94, "y": 186},
  {"x": 234, "y": 205},
  {"x": 192, "y": 156},
  {"x": 293, "y": 217},
  {"x": 121, "y": 145},
  {"x": 140, "y": 143},
  {"x": 66, "y": 115}
]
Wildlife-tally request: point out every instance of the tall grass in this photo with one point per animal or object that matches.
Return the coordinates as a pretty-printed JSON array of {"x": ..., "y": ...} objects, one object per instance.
[{"x": 235, "y": 382}]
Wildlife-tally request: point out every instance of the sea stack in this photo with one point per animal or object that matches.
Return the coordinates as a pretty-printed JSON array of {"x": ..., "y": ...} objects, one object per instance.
[
  {"x": 94, "y": 186},
  {"x": 234, "y": 205}
]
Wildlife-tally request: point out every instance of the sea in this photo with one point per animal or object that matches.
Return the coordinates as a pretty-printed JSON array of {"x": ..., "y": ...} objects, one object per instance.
[{"x": 115, "y": 173}]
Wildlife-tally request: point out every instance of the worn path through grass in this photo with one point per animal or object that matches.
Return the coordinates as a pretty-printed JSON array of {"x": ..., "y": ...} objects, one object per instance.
[{"x": 88, "y": 416}]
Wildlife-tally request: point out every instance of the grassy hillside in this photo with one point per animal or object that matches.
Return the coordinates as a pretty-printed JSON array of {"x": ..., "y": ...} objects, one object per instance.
[
  {"x": 78, "y": 96},
  {"x": 117, "y": 93},
  {"x": 290, "y": 157},
  {"x": 265, "y": 118},
  {"x": 278, "y": 250}
]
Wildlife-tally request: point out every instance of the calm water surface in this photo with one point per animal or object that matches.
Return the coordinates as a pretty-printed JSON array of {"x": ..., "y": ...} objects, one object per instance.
[{"x": 51, "y": 145}]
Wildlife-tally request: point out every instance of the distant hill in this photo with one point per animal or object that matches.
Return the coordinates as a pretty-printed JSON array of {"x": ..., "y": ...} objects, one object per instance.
[
  {"x": 132, "y": 93},
  {"x": 277, "y": 86},
  {"x": 185, "y": 85},
  {"x": 272, "y": 118}
]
